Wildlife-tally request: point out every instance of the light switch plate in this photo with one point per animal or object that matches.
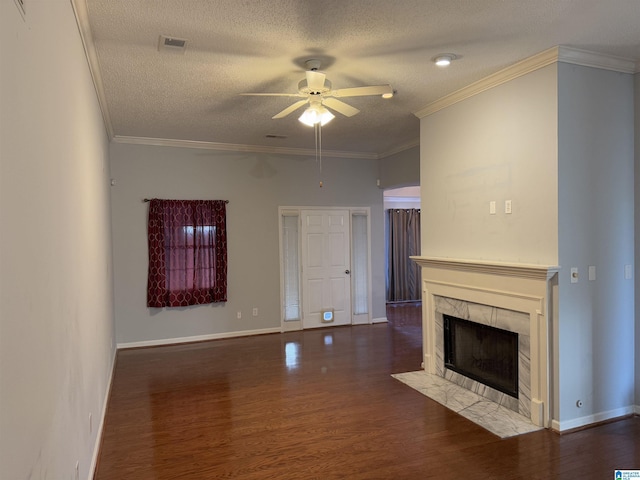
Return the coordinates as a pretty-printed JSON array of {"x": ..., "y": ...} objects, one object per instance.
[{"x": 592, "y": 272}]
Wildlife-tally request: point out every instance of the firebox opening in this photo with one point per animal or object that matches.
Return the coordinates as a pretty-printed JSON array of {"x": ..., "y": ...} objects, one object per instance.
[{"x": 486, "y": 354}]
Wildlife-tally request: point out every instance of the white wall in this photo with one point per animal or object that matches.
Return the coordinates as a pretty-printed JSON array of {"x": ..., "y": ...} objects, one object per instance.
[
  {"x": 498, "y": 145},
  {"x": 403, "y": 197},
  {"x": 596, "y": 218},
  {"x": 255, "y": 185},
  {"x": 56, "y": 317}
]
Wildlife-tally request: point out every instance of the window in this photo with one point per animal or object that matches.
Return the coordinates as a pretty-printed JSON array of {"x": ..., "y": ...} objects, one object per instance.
[
  {"x": 360, "y": 263},
  {"x": 291, "y": 266},
  {"x": 190, "y": 251},
  {"x": 187, "y": 252}
]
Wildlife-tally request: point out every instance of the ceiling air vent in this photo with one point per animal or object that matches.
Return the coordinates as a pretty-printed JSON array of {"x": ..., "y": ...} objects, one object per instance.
[
  {"x": 172, "y": 44},
  {"x": 271, "y": 135}
]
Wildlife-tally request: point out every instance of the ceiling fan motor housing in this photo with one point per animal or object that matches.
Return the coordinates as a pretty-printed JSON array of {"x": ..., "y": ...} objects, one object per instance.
[
  {"x": 303, "y": 87},
  {"x": 312, "y": 64}
]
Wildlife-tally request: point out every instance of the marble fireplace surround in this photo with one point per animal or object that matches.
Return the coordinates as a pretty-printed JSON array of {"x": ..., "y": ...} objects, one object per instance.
[{"x": 514, "y": 297}]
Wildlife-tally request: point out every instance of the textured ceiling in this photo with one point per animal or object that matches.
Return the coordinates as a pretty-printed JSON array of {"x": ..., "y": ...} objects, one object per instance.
[{"x": 237, "y": 46}]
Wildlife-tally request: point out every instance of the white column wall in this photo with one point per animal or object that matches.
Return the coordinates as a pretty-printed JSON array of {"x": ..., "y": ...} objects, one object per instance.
[
  {"x": 596, "y": 218},
  {"x": 498, "y": 145},
  {"x": 56, "y": 316}
]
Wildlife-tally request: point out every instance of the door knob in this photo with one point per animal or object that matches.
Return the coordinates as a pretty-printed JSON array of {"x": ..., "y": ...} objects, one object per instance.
[{"x": 347, "y": 272}]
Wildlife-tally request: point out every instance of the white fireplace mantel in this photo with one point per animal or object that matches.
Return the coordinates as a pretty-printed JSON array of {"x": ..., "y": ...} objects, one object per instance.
[
  {"x": 523, "y": 288},
  {"x": 522, "y": 270}
]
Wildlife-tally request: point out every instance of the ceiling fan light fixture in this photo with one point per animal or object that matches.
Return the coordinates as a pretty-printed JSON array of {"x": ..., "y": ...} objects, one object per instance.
[
  {"x": 316, "y": 114},
  {"x": 444, "y": 59}
]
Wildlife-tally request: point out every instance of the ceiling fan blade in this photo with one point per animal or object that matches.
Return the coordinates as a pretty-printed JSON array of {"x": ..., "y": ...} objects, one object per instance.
[
  {"x": 272, "y": 94},
  {"x": 363, "y": 91},
  {"x": 290, "y": 109},
  {"x": 315, "y": 80},
  {"x": 341, "y": 107}
]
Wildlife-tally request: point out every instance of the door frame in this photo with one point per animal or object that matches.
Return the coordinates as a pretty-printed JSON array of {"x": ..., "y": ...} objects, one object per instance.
[{"x": 297, "y": 211}]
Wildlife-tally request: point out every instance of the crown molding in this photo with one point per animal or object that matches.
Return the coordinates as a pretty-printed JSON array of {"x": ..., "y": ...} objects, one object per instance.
[
  {"x": 552, "y": 55},
  {"x": 585, "y": 58},
  {"x": 82, "y": 20},
  {"x": 514, "y": 71},
  {"x": 232, "y": 147},
  {"x": 401, "y": 148}
]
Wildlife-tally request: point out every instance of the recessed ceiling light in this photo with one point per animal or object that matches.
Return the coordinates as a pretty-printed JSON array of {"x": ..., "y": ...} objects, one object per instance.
[{"x": 444, "y": 59}]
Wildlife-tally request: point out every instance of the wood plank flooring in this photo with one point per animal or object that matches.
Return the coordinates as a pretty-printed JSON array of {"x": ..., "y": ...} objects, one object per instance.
[{"x": 321, "y": 404}]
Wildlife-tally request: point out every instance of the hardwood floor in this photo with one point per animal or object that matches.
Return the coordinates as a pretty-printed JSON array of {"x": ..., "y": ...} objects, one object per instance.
[{"x": 321, "y": 404}]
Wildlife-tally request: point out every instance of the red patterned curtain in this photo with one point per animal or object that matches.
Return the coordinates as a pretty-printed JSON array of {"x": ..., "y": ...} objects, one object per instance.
[{"x": 187, "y": 252}]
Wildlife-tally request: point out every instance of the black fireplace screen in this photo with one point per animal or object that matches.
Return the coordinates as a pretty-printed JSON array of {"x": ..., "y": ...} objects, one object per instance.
[{"x": 486, "y": 354}]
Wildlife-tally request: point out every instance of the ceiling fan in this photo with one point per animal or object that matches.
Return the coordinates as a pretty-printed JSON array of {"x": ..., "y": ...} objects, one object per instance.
[{"x": 316, "y": 90}]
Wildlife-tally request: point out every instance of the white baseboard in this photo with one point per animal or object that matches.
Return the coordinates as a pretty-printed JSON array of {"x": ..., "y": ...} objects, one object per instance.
[
  {"x": 636, "y": 409},
  {"x": 362, "y": 320},
  {"x": 595, "y": 418},
  {"x": 379, "y": 320},
  {"x": 196, "y": 338},
  {"x": 291, "y": 326},
  {"x": 105, "y": 403}
]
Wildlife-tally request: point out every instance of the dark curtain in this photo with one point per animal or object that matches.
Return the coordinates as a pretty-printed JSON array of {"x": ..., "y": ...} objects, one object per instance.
[
  {"x": 187, "y": 252},
  {"x": 403, "y": 274}
]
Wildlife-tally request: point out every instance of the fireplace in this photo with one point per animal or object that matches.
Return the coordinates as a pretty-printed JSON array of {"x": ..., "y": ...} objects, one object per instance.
[
  {"x": 483, "y": 353},
  {"x": 478, "y": 317},
  {"x": 517, "y": 298}
]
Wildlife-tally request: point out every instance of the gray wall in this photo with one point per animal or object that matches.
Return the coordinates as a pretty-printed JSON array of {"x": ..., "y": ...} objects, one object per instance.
[
  {"x": 401, "y": 169},
  {"x": 255, "y": 185},
  {"x": 56, "y": 298},
  {"x": 498, "y": 145},
  {"x": 596, "y": 218},
  {"x": 637, "y": 235}
]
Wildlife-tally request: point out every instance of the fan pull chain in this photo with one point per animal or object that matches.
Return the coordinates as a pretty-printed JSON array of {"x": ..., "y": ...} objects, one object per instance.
[
  {"x": 320, "y": 143},
  {"x": 317, "y": 129}
]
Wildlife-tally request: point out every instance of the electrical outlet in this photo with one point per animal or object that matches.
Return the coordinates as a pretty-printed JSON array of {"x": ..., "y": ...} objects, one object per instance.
[
  {"x": 507, "y": 206},
  {"x": 574, "y": 275},
  {"x": 255, "y": 311},
  {"x": 492, "y": 207}
]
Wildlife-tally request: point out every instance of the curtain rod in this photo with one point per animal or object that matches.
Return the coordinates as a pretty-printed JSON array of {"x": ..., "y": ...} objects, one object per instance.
[{"x": 146, "y": 200}]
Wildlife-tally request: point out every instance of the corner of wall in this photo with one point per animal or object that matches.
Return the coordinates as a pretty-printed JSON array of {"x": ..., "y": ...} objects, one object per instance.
[{"x": 637, "y": 233}]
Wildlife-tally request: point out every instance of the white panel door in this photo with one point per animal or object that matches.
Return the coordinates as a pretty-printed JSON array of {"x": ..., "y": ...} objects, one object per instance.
[{"x": 326, "y": 281}]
